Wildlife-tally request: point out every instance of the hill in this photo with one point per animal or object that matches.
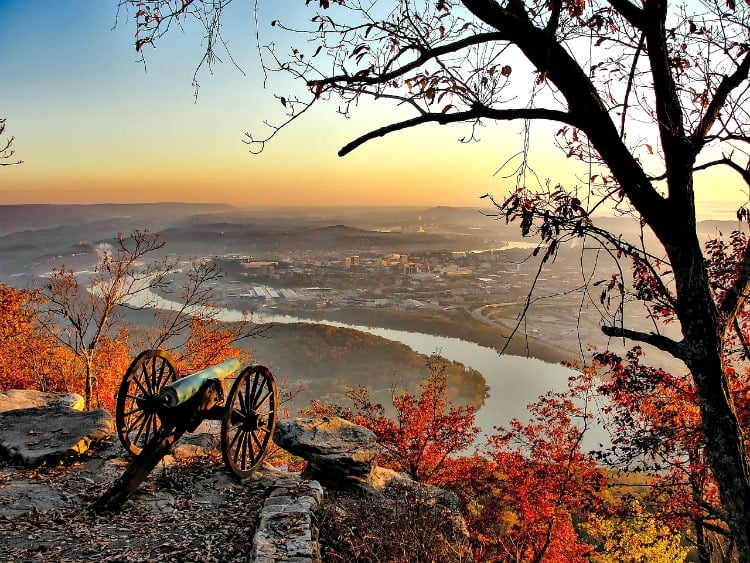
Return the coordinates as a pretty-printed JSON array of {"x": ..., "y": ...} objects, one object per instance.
[{"x": 329, "y": 360}]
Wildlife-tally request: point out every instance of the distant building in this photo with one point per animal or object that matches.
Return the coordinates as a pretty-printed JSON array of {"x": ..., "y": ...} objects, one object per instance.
[
  {"x": 454, "y": 271},
  {"x": 394, "y": 261},
  {"x": 258, "y": 268},
  {"x": 351, "y": 261},
  {"x": 412, "y": 268}
]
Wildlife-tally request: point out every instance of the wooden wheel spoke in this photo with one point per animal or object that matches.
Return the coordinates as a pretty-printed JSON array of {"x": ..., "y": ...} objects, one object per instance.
[
  {"x": 159, "y": 376},
  {"x": 264, "y": 413},
  {"x": 251, "y": 395},
  {"x": 141, "y": 429},
  {"x": 241, "y": 415},
  {"x": 141, "y": 416},
  {"x": 259, "y": 402},
  {"x": 242, "y": 440},
  {"x": 249, "y": 451},
  {"x": 153, "y": 427},
  {"x": 236, "y": 437},
  {"x": 154, "y": 371},
  {"x": 243, "y": 403},
  {"x": 234, "y": 428},
  {"x": 133, "y": 411},
  {"x": 146, "y": 379},
  {"x": 138, "y": 383},
  {"x": 257, "y": 390},
  {"x": 255, "y": 439},
  {"x": 147, "y": 434},
  {"x": 264, "y": 429}
]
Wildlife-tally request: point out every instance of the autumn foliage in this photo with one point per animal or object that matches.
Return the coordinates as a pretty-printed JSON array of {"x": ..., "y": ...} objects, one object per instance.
[
  {"x": 521, "y": 498},
  {"x": 529, "y": 492},
  {"x": 71, "y": 334},
  {"x": 423, "y": 435},
  {"x": 29, "y": 357}
]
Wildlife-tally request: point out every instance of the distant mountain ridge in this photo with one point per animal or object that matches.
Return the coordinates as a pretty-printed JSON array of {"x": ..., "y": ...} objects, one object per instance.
[
  {"x": 36, "y": 237},
  {"x": 32, "y": 216}
]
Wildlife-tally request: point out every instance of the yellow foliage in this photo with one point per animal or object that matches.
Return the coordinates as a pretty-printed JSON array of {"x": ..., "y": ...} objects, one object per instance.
[{"x": 635, "y": 538}]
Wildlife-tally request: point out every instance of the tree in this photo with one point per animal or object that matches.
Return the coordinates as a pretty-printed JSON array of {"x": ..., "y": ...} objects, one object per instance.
[
  {"x": 85, "y": 315},
  {"x": 634, "y": 538},
  {"x": 657, "y": 419},
  {"x": 544, "y": 483},
  {"x": 6, "y": 150},
  {"x": 656, "y": 429},
  {"x": 647, "y": 94},
  {"x": 426, "y": 434}
]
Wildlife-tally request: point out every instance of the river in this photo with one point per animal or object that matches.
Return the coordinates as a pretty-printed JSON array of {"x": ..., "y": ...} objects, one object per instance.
[{"x": 514, "y": 381}]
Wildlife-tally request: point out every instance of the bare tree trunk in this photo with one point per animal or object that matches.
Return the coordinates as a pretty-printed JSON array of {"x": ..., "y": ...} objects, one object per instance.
[
  {"x": 89, "y": 383},
  {"x": 703, "y": 353},
  {"x": 726, "y": 448}
]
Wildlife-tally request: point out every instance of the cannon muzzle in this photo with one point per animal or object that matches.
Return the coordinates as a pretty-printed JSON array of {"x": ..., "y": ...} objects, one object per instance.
[{"x": 183, "y": 389}]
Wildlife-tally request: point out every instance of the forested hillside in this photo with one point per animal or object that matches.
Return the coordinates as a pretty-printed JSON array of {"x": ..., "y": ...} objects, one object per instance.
[{"x": 329, "y": 360}]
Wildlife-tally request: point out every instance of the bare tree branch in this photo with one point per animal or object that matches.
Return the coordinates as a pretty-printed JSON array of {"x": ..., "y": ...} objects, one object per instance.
[
  {"x": 728, "y": 84},
  {"x": 6, "y": 152},
  {"x": 424, "y": 56},
  {"x": 657, "y": 340},
  {"x": 478, "y": 112},
  {"x": 726, "y": 161}
]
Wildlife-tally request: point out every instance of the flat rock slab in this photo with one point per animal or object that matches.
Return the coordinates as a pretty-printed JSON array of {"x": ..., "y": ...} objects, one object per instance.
[
  {"x": 336, "y": 449},
  {"x": 23, "y": 496},
  {"x": 14, "y": 399},
  {"x": 48, "y": 434}
]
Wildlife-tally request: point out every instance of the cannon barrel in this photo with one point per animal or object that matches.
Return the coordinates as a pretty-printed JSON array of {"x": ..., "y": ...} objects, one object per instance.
[{"x": 183, "y": 389}]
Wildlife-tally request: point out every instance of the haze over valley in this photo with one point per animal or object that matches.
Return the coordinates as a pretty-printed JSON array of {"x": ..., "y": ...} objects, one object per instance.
[{"x": 450, "y": 272}]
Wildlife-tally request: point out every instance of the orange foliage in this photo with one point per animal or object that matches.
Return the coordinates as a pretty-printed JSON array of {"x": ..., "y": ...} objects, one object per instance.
[
  {"x": 425, "y": 433},
  {"x": 543, "y": 482},
  {"x": 208, "y": 344},
  {"x": 111, "y": 361},
  {"x": 520, "y": 499},
  {"x": 29, "y": 356}
]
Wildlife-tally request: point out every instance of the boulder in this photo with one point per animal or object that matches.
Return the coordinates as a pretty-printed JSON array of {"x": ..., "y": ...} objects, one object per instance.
[
  {"x": 382, "y": 478},
  {"x": 48, "y": 434},
  {"x": 13, "y": 399},
  {"x": 335, "y": 449}
]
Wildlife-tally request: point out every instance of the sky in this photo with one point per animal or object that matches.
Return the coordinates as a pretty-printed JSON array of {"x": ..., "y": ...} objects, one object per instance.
[{"x": 92, "y": 125}]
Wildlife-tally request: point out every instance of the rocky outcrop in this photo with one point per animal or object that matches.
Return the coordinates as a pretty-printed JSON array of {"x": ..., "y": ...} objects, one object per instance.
[
  {"x": 14, "y": 399},
  {"x": 335, "y": 449},
  {"x": 32, "y": 436},
  {"x": 341, "y": 452}
]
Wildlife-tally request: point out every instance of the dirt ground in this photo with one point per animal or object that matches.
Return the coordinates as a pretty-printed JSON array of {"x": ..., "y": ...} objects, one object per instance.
[{"x": 189, "y": 509}]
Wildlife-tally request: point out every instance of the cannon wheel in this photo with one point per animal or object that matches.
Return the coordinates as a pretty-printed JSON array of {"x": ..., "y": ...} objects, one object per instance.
[
  {"x": 249, "y": 420},
  {"x": 138, "y": 400}
]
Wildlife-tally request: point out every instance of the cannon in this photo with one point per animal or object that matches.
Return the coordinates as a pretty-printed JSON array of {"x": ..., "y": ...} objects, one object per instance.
[{"x": 155, "y": 408}]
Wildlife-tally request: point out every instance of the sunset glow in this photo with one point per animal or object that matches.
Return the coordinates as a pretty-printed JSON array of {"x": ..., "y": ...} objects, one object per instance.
[{"x": 92, "y": 125}]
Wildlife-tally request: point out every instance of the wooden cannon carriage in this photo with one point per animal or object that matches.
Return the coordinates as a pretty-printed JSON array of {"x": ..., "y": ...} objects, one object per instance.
[{"x": 155, "y": 408}]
